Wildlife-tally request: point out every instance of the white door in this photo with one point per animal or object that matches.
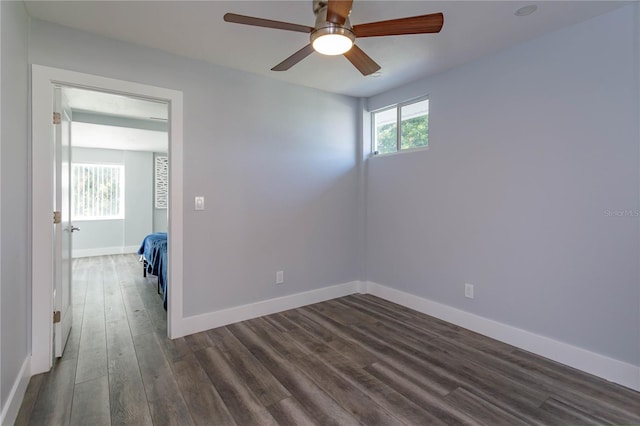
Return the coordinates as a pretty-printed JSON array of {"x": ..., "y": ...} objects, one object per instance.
[{"x": 63, "y": 230}]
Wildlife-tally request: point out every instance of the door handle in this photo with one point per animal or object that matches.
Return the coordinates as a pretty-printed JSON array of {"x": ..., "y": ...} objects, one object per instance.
[{"x": 73, "y": 228}]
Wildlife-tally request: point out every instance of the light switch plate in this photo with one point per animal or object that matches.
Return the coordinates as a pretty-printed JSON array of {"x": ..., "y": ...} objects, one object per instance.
[
  {"x": 468, "y": 290},
  {"x": 199, "y": 202}
]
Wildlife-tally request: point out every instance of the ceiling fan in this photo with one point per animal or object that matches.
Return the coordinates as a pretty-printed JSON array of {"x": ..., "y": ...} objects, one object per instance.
[{"x": 333, "y": 34}]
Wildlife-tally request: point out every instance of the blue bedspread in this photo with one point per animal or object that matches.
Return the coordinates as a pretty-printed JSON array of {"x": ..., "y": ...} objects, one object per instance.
[{"x": 154, "y": 251}]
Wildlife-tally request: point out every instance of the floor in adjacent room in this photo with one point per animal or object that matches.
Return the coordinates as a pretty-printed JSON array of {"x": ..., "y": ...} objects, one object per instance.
[{"x": 354, "y": 360}]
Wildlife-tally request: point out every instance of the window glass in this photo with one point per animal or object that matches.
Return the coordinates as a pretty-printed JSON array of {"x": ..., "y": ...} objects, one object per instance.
[
  {"x": 97, "y": 192},
  {"x": 415, "y": 125},
  {"x": 386, "y": 131},
  {"x": 412, "y": 118}
]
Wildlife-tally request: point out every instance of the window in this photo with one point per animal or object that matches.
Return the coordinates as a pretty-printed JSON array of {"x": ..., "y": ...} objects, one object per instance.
[
  {"x": 97, "y": 191},
  {"x": 412, "y": 118}
]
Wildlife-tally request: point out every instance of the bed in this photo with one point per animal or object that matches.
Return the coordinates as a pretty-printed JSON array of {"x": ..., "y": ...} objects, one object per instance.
[{"x": 153, "y": 255}]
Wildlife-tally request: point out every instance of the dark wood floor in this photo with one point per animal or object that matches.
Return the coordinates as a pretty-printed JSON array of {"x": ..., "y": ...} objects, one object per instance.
[{"x": 348, "y": 361}]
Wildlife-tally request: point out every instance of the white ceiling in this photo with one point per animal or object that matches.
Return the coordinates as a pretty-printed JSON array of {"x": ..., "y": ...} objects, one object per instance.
[
  {"x": 196, "y": 29},
  {"x": 119, "y": 105},
  {"x": 88, "y": 135},
  {"x": 91, "y": 135}
]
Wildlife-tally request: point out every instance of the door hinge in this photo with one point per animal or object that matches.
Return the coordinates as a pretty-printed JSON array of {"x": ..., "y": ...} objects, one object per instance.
[
  {"x": 56, "y": 118},
  {"x": 57, "y": 217},
  {"x": 56, "y": 317}
]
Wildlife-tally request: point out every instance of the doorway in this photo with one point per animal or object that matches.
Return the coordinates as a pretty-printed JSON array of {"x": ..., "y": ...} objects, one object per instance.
[
  {"x": 44, "y": 79},
  {"x": 118, "y": 197}
]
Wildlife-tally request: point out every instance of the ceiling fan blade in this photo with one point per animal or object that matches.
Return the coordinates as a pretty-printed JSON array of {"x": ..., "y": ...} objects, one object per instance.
[
  {"x": 338, "y": 11},
  {"x": 414, "y": 25},
  {"x": 361, "y": 60},
  {"x": 294, "y": 59},
  {"x": 267, "y": 23}
]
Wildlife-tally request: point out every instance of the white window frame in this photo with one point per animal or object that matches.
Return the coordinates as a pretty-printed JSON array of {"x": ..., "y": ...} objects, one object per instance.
[
  {"x": 120, "y": 215},
  {"x": 398, "y": 107}
]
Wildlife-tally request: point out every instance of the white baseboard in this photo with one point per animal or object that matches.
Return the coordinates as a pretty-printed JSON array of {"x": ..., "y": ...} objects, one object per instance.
[
  {"x": 104, "y": 251},
  {"x": 599, "y": 365},
  {"x": 12, "y": 406},
  {"x": 198, "y": 323}
]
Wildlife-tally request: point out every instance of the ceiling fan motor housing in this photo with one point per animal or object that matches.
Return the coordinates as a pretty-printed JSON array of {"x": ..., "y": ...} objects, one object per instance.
[{"x": 324, "y": 27}]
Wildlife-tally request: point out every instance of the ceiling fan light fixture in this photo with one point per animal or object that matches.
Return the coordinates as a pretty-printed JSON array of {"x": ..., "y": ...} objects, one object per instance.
[{"x": 332, "y": 40}]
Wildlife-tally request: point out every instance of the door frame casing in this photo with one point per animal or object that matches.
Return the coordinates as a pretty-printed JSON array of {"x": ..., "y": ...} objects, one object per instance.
[{"x": 43, "y": 80}]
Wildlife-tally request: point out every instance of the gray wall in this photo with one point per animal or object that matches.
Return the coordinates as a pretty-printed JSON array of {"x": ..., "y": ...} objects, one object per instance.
[
  {"x": 14, "y": 229},
  {"x": 160, "y": 216},
  {"x": 129, "y": 232},
  {"x": 275, "y": 163},
  {"x": 533, "y": 152}
]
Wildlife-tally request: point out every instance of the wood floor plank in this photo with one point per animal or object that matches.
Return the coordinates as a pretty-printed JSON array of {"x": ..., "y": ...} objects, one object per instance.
[
  {"x": 432, "y": 402},
  {"x": 501, "y": 366},
  {"x": 463, "y": 362},
  {"x": 53, "y": 406},
  {"x": 156, "y": 373},
  {"x": 126, "y": 389},
  {"x": 153, "y": 306},
  {"x": 256, "y": 376},
  {"x": 72, "y": 348},
  {"x": 163, "y": 394},
  {"x": 91, "y": 403},
  {"x": 281, "y": 323},
  {"x": 566, "y": 414},
  {"x": 429, "y": 376},
  {"x": 486, "y": 361},
  {"x": 351, "y": 398},
  {"x": 423, "y": 326},
  {"x": 482, "y": 411},
  {"x": 410, "y": 367},
  {"x": 168, "y": 414},
  {"x": 464, "y": 370},
  {"x": 243, "y": 405},
  {"x": 174, "y": 349},
  {"x": 501, "y": 391},
  {"x": 308, "y": 324},
  {"x": 139, "y": 320},
  {"x": 334, "y": 310},
  {"x": 204, "y": 402},
  {"x": 199, "y": 341},
  {"x": 81, "y": 270},
  {"x": 392, "y": 311},
  {"x": 92, "y": 353},
  {"x": 618, "y": 415},
  {"x": 342, "y": 341},
  {"x": 92, "y": 363},
  {"x": 402, "y": 408},
  {"x": 311, "y": 398},
  {"x": 29, "y": 400},
  {"x": 113, "y": 302},
  {"x": 288, "y": 412},
  {"x": 78, "y": 296},
  {"x": 578, "y": 385}
]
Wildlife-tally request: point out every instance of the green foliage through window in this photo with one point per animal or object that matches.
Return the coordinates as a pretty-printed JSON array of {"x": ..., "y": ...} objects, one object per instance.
[
  {"x": 387, "y": 138},
  {"x": 415, "y": 132}
]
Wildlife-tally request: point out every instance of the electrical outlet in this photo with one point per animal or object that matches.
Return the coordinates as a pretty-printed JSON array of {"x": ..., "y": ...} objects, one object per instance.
[
  {"x": 468, "y": 290},
  {"x": 279, "y": 277}
]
